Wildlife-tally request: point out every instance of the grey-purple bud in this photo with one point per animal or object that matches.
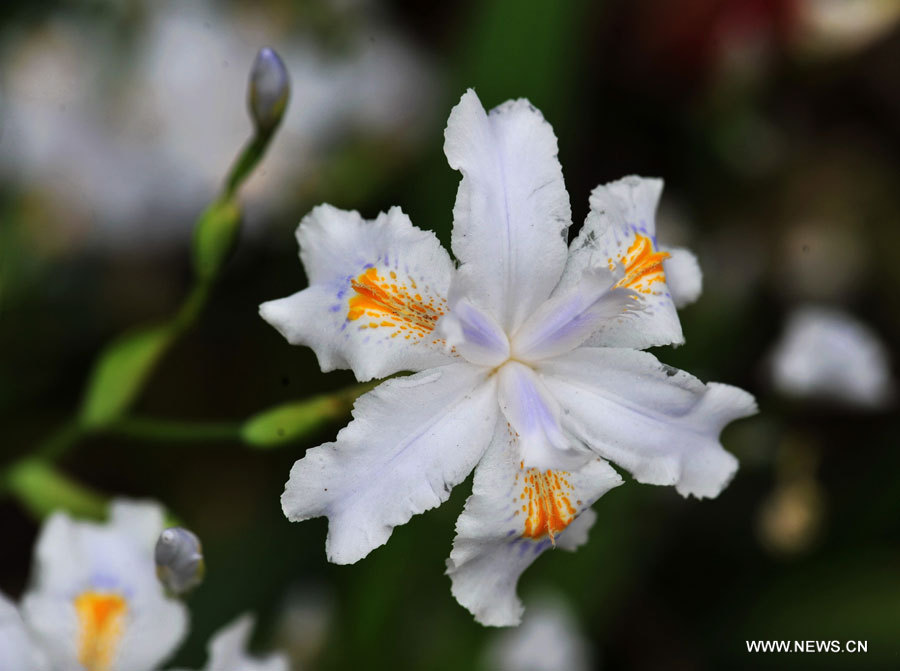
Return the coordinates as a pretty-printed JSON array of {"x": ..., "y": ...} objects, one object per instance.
[
  {"x": 270, "y": 88},
  {"x": 179, "y": 560}
]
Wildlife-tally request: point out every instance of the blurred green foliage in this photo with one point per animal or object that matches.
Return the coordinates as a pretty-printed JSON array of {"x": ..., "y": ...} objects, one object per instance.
[{"x": 121, "y": 373}]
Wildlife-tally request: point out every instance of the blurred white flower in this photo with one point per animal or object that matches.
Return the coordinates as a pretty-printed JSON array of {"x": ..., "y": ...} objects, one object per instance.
[
  {"x": 305, "y": 623},
  {"x": 95, "y": 603},
  {"x": 17, "y": 652},
  {"x": 834, "y": 27},
  {"x": 122, "y": 133},
  {"x": 548, "y": 639},
  {"x": 527, "y": 362},
  {"x": 228, "y": 650},
  {"x": 790, "y": 517},
  {"x": 827, "y": 353}
]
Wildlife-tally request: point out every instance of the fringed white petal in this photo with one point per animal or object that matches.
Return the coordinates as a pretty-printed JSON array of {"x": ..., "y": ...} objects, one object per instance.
[
  {"x": 513, "y": 515},
  {"x": 412, "y": 439},
  {"x": 377, "y": 289},
  {"x": 659, "y": 423},
  {"x": 620, "y": 229},
  {"x": 512, "y": 209}
]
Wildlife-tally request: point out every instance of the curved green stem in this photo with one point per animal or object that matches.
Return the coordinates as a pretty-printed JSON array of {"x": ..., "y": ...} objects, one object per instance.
[
  {"x": 55, "y": 445},
  {"x": 176, "y": 431},
  {"x": 249, "y": 157}
]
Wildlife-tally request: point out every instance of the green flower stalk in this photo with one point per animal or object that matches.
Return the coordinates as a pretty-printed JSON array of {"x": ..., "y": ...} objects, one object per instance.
[
  {"x": 267, "y": 97},
  {"x": 126, "y": 364}
]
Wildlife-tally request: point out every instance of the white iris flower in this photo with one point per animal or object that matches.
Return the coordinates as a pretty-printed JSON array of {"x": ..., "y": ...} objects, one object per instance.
[
  {"x": 525, "y": 356},
  {"x": 228, "y": 650},
  {"x": 17, "y": 651},
  {"x": 95, "y": 603},
  {"x": 827, "y": 353},
  {"x": 549, "y": 639}
]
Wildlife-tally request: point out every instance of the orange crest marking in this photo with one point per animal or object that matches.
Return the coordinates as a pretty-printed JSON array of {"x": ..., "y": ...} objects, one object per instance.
[
  {"x": 643, "y": 265},
  {"x": 547, "y": 505},
  {"x": 389, "y": 303},
  {"x": 101, "y": 618}
]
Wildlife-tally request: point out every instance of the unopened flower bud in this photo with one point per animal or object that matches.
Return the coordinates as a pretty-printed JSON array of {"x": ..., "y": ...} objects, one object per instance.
[
  {"x": 179, "y": 560},
  {"x": 270, "y": 87}
]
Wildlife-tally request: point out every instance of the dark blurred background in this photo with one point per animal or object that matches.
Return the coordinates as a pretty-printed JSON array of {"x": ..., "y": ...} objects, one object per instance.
[{"x": 776, "y": 126}]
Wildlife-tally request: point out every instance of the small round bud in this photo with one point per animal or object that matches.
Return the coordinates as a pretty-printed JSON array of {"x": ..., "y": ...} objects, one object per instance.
[
  {"x": 179, "y": 560},
  {"x": 270, "y": 87}
]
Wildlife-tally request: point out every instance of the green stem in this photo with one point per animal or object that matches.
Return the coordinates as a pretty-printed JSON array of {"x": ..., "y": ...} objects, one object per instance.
[
  {"x": 60, "y": 441},
  {"x": 166, "y": 430},
  {"x": 248, "y": 159},
  {"x": 41, "y": 489},
  {"x": 192, "y": 306}
]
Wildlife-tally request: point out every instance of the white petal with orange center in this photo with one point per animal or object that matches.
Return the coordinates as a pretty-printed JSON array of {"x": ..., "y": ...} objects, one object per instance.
[
  {"x": 377, "y": 289},
  {"x": 513, "y": 515},
  {"x": 95, "y": 603},
  {"x": 620, "y": 232}
]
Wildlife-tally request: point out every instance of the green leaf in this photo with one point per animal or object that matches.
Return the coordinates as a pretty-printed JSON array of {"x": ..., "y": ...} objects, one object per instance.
[
  {"x": 41, "y": 489},
  {"x": 292, "y": 421},
  {"x": 120, "y": 373},
  {"x": 215, "y": 237}
]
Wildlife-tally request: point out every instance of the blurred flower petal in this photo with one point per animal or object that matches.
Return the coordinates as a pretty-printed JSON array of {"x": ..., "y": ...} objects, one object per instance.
[
  {"x": 17, "y": 651},
  {"x": 828, "y": 354},
  {"x": 95, "y": 601},
  {"x": 549, "y": 639}
]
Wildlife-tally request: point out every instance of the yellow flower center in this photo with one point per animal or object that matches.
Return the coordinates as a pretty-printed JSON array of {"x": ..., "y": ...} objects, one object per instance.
[
  {"x": 101, "y": 619},
  {"x": 546, "y": 502},
  {"x": 643, "y": 266}
]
